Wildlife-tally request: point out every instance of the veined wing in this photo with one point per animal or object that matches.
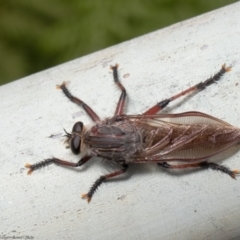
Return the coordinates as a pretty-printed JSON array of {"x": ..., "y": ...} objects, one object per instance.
[{"x": 189, "y": 136}]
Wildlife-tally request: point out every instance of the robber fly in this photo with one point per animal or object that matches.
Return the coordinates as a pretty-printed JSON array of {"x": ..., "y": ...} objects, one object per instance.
[{"x": 188, "y": 138}]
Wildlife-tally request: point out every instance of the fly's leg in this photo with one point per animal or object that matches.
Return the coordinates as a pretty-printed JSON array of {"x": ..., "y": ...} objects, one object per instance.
[
  {"x": 48, "y": 161},
  {"x": 221, "y": 168},
  {"x": 79, "y": 102},
  {"x": 198, "y": 87},
  {"x": 205, "y": 164},
  {"x": 102, "y": 179},
  {"x": 122, "y": 99}
]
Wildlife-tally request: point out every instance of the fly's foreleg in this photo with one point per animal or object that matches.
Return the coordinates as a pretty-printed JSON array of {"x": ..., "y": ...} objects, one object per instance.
[
  {"x": 198, "y": 87},
  {"x": 121, "y": 102},
  {"x": 102, "y": 179},
  {"x": 79, "y": 102},
  {"x": 205, "y": 164},
  {"x": 48, "y": 161}
]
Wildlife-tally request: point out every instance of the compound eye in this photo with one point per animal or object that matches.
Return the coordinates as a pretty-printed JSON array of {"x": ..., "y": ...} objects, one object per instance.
[
  {"x": 75, "y": 144},
  {"x": 77, "y": 127}
]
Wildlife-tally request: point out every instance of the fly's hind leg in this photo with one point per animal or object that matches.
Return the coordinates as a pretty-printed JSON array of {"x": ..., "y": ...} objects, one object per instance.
[
  {"x": 101, "y": 179},
  {"x": 221, "y": 168},
  {"x": 198, "y": 87},
  {"x": 205, "y": 164}
]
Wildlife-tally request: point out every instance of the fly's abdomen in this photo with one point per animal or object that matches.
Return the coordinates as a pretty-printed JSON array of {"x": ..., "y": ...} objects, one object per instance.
[
  {"x": 117, "y": 141},
  {"x": 195, "y": 142}
]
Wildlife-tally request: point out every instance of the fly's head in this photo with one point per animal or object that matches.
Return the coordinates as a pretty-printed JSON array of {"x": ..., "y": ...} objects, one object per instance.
[{"x": 74, "y": 139}]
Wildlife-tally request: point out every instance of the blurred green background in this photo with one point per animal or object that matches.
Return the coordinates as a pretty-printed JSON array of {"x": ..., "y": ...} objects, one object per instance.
[{"x": 36, "y": 35}]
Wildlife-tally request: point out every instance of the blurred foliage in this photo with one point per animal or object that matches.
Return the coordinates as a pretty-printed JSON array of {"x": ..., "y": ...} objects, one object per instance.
[{"x": 35, "y": 35}]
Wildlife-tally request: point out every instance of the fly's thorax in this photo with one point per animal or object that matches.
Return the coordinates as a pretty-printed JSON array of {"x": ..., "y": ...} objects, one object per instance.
[{"x": 117, "y": 141}]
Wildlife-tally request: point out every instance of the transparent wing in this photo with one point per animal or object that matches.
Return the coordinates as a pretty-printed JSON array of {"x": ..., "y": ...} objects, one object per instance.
[{"x": 189, "y": 136}]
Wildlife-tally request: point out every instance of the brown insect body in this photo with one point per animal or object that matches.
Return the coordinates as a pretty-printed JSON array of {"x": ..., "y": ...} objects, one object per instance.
[
  {"x": 189, "y": 138},
  {"x": 114, "y": 140}
]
